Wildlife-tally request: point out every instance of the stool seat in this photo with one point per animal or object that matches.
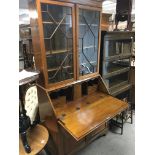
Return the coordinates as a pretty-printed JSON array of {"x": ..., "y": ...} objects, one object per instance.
[{"x": 37, "y": 138}]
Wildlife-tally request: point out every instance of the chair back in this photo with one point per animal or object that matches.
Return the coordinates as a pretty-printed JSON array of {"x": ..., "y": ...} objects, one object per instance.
[{"x": 31, "y": 102}]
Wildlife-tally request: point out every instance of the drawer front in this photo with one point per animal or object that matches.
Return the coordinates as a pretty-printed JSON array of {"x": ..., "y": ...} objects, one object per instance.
[
  {"x": 97, "y": 132},
  {"x": 74, "y": 147},
  {"x": 71, "y": 145}
]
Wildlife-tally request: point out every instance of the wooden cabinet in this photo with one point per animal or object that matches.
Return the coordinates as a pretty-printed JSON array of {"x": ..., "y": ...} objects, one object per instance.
[
  {"x": 66, "y": 40},
  {"x": 66, "y": 44}
]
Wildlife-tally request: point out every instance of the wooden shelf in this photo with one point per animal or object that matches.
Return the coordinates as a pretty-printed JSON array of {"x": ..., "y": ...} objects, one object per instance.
[
  {"x": 116, "y": 71},
  {"x": 117, "y": 57},
  {"x": 47, "y": 22},
  {"x": 54, "y": 69},
  {"x": 48, "y": 53},
  {"x": 92, "y": 62},
  {"x": 88, "y": 24},
  {"x": 87, "y": 47},
  {"x": 118, "y": 83},
  {"x": 120, "y": 89}
]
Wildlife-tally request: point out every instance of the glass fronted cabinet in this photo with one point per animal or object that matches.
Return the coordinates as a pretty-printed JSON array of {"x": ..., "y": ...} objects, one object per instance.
[
  {"x": 66, "y": 41},
  {"x": 115, "y": 60}
]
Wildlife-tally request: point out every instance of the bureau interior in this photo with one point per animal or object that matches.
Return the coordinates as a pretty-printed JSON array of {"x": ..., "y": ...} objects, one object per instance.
[{"x": 71, "y": 97}]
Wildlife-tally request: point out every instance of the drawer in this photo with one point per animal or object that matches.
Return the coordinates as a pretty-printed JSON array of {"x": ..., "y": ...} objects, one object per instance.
[{"x": 97, "y": 132}]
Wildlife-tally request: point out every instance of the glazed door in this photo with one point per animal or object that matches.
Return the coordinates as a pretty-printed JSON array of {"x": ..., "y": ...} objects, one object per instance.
[
  {"x": 88, "y": 32},
  {"x": 58, "y": 41}
]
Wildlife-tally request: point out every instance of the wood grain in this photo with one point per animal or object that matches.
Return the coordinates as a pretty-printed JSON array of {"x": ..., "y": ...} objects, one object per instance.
[
  {"x": 37, "y": 139},
  {"x": 77, "y": 90},
  {"x": 99, "y": 42},
  {"x": 95, "y": 109},
  {"x": 36, "y": 41},
  {"x": 67, "y": 84},
  {"x": 94, "y": 3}
]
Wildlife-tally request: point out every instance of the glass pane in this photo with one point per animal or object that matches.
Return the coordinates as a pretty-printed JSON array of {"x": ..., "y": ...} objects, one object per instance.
[
  {"x": 127, "y": 47},
  {"x": 115, "y": 66},
  {"x": 88, "y": 40},
  {"x": 125, "y": 96},
  {"x": 58, "y": 40},
  {"x": 115, "y": 81},
  {"x": 117, "y": 47}
]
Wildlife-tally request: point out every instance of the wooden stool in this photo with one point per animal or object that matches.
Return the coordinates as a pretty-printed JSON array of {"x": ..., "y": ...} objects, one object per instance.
[{"x": 37, "y": 138}]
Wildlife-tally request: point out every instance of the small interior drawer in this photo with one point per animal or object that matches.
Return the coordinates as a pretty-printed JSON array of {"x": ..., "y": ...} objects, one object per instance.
[
  {"x": 92, "y": 89},
  {"x": 98, "y": 131}
]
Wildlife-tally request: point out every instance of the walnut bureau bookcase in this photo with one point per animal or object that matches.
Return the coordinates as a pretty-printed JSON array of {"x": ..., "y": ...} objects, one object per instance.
[{"x": 66, "y": 45}]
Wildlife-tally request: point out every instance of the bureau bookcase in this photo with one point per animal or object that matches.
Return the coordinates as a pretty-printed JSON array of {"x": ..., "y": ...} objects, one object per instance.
[{"x": 66, "y": 41}]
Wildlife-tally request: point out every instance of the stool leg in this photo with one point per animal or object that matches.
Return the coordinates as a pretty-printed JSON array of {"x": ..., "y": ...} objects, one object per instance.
[{"x": 25, "y": 142}]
